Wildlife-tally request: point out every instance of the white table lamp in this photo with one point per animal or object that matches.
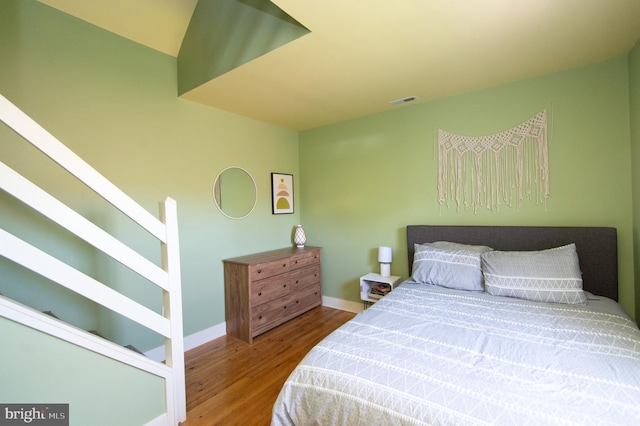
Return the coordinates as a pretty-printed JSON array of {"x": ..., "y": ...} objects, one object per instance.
[{"x": 384, "y": 257}]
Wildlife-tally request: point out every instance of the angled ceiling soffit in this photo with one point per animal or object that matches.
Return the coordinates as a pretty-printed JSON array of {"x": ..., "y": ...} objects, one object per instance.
[{"x": 225, "y": 34}]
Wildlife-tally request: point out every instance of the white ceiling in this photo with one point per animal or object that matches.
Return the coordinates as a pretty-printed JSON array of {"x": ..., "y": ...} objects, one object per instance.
[{"x": 362, "y": 54}]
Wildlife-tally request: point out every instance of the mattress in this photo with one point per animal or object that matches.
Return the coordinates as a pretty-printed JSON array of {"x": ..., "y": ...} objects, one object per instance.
[{"x": 431, "y": 355}]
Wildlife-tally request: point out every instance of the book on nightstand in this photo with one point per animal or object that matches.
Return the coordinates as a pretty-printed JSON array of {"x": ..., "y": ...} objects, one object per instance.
[{"x": 378, "y": 291}]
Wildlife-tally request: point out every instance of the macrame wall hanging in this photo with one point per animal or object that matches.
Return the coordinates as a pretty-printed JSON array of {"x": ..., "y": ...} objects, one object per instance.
[{"x": 497, "y": 170}]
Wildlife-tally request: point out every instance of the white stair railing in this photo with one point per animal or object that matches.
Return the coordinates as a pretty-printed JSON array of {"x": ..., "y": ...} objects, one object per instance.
[{"x": 166, "y": 277}]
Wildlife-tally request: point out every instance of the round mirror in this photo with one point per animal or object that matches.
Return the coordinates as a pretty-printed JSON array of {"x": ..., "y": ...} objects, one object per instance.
[{"x": 235, "y": 193}]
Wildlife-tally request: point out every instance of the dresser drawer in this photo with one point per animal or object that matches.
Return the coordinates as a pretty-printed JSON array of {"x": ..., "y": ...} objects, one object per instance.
[
  {"x": 260, "y": 271},
  {"x": 306, "y": 299},
  {"x": 270, "y": 288},
  {"x": 271, "y": 313},
  {"x": 305, "y": 259},
  {"x": 305, "y": 277}
]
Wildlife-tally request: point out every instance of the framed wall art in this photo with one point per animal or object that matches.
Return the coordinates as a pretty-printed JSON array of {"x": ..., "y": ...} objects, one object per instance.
[{"x": 281, "y": 193}]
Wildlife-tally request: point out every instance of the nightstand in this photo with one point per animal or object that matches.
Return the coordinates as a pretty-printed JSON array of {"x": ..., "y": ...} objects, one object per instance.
[{"x": 367, "y": 282}]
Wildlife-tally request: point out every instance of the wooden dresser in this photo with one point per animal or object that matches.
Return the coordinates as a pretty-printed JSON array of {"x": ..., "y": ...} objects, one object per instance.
[{"x": 264, "y": 290}]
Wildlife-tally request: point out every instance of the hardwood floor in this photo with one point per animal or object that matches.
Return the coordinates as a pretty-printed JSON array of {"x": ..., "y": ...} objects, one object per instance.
[{"x": 231, "y": 382}]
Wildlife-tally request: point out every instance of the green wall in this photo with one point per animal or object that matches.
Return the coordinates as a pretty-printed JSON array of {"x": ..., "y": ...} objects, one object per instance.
[
  {"x": 115, "y": 104},
  {"x": 357, "y": 183},
  {"x": 90, "y": 384},
  {"x": 634, "y": 108},
  {"x": 364, "y": 180}
]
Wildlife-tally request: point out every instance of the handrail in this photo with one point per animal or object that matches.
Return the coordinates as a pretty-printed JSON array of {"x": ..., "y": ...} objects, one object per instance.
[
  {"x": 32, "y": 258},
  {"x": 25, "y": 315},
  {"x": 30, "y": 194},
  {"x": 54, "y": 149},
  {"x": 167, "y": 277},
  {"x": 29, "y": 317}
]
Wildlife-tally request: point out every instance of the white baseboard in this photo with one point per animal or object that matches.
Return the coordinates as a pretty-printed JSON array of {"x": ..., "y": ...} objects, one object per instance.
[
  {"x": 344, "y": 305},
  {"x": 192, "y": 341},
  {"x": 201, "y": 337},
  {"x": 161, "y": 420}
]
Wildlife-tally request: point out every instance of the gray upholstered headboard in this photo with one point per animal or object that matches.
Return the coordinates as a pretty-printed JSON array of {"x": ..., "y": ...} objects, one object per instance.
[{"x": 597, "y": 246}]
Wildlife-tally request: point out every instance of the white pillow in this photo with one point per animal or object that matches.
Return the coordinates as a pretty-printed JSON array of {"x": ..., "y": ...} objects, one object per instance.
[
  {"x": 551, "y": 275},
  {"x": 459, "y": 269},
  {"x": 449, "y": 245}
]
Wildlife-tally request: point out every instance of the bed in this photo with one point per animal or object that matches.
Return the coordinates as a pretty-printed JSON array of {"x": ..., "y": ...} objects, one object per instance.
[{"x": 437, "y": 350}]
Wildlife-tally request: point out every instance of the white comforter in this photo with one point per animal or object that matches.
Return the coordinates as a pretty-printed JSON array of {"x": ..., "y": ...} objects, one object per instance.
[{"x": 428, "y": 355}]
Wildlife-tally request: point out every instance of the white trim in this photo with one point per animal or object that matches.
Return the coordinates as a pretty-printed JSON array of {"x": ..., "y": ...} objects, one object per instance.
[
  {"x": 192, "y": 341},
  {"x": 205, "y": 336},
  {"x": 169, "y": 324},
  {"x": 54, "y": 149},
  {"x": 174, "y": 346},
  {"x": 161, "y": 420},
  {"x": 344, "y": 305},
  {"x": 30, "y": 194},
  {"x": 29, "y": 317},
  {"x": 30, "y": 257}
]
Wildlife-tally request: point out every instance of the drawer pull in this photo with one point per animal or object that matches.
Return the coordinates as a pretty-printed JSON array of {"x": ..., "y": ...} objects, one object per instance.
[
  {"x": 259, "y": 270},
  {"x": 284, "y": 265},
  {"x": 297, "y": 281},
  {"x": 284, "y": 286},
  {"x": 260, "y": 294},
  {"x": 260, "y": 317}
]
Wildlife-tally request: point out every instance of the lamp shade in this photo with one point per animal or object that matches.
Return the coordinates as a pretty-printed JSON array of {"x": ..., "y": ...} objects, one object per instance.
[{"x": 384, "y": 254}]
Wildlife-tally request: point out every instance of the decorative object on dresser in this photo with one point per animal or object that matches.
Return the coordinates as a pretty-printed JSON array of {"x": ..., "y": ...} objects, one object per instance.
[
  {"x": 263, "y": 290},
  {"x": 299, "y": 237},
  {"x": 384, "y": 257}
]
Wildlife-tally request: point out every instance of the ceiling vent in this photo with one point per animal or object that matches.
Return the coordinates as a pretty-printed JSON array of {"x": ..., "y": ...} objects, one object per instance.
[{"x": 403, "y": 100}]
